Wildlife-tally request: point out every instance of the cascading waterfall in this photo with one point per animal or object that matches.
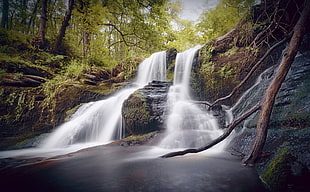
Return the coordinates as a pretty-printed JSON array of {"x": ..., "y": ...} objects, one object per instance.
[
  {"x": 100, "y": 122},
  {"x": 187, "y": 124}
]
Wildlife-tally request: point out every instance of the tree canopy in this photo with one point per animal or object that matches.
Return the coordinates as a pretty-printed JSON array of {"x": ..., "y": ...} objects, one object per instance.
[{"x": 107, "y": 31}]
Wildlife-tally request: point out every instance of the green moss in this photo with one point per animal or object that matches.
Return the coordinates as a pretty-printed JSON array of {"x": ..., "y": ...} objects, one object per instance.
[
  {"x": 21, "y": 101},
  {"x": 136, "y": 114},
  {"x": 276, "y": 175},
  {"x": 140, "y": 137}
]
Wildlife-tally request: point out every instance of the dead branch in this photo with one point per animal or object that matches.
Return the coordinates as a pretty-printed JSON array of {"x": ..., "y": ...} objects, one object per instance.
[
  {"x": 252, "y": 70},
  {"x": 220, "y": 138}
]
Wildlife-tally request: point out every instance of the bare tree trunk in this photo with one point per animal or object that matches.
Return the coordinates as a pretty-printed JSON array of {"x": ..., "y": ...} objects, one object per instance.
[
  {"x": 86, "y": 43},
  {"x": 33, "y": 14},
  {"x": 43, "y": 20},
  {"x": 272, "y": 90},
  {"x": 65, "y": 24},
  {"x": 5, "y": 14}
]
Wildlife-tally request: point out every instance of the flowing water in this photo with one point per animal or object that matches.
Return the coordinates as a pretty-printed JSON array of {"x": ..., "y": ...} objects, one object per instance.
[
  {"x": 98, "y": 123},
  {"x": 187, "y": 124}
]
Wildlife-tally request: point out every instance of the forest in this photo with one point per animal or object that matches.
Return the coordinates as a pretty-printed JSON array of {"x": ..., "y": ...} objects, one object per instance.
[{"x": 250, "y": 74}]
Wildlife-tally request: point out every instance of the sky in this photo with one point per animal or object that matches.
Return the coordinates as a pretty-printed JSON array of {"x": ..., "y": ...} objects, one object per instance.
[{"x": 193, "y": 8}]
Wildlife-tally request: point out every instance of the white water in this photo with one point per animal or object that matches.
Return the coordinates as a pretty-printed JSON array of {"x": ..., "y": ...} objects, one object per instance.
[
  {"x": 187, "y": 124},
  {"x": 98, "y": 122}
]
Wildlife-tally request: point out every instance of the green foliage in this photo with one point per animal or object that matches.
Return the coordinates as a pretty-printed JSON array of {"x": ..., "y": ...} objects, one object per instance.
[
  {"x": 185, "y": 36},
  {"x": 217, "y": 22},
  {"x": 13, "y": 42},
  {"x": 22, "y": 101},
  {"x": 207, "y": 69},
  {"x": 74, "y": 69}
]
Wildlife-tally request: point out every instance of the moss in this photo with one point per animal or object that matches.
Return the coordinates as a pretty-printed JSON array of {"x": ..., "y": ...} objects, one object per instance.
[
  {"x": 17, "y": 142},
  {"x": 136, "y": 114},
  {"x": 278, "y": 171},
  {"x": 139, "y": 138}
]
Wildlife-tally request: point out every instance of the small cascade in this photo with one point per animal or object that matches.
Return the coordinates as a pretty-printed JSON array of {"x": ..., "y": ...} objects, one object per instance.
[
  {"x": 100, "y": 122},
  {"x": 187, "y": 124}
]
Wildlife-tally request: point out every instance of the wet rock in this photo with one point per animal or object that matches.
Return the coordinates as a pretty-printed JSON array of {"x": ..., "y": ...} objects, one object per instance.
[
  {"x": 144, "y": 111},
  {"x": 287, "y": 166}
]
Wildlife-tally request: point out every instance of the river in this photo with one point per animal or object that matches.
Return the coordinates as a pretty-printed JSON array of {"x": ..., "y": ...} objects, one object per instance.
[{"x": 131, "y": 168}]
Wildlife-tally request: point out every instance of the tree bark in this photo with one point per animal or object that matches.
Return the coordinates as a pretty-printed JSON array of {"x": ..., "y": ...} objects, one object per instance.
[
  {"x": 5, "y": 14},
  {"x": 65, "y": 24},
  {"x": 32, "y": 17},
  {"x": 220, "y": 138},
  {"x": 43, "y": 20},
  {"x": 272, "y": 90}
]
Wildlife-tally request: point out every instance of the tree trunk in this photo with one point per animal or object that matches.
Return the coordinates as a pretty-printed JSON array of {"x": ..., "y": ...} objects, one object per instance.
[
  {"x": 272, "y": 90},
  {"x": 43, "y": 20},
  {"x": 5, "y": 14},
  {"x": 86, "y": 43},
  {"x": 65, "y": 24},
  {"x": 33, "y": 14}
]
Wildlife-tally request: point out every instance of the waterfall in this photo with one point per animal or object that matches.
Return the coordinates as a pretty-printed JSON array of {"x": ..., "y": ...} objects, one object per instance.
[
  {"x": 187, "y": 124},
  {"x": 100, "y": 122}
]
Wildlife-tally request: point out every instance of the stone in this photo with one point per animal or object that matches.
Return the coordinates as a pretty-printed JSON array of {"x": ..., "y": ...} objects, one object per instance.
[{"x": 144, "y": 111}]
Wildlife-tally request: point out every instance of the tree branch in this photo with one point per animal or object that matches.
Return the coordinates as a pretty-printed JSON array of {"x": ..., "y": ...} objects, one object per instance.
[{"x": 220, "y": 138}]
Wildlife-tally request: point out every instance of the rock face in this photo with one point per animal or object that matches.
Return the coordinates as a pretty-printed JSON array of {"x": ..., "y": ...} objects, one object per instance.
[
  {"x": 286, "y": 161},
  {"x": 144, "y": 111}
]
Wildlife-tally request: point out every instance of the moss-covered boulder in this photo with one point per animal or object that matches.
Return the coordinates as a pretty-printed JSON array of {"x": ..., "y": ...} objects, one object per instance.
[{"x": 144, "y": 110}]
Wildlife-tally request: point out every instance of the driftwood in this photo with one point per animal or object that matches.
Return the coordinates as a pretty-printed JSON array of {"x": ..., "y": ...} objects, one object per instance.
[{"x": 220, "y": 138}]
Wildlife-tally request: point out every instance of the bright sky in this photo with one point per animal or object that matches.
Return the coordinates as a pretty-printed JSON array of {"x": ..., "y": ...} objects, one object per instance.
[{"x": 193, "y": 8}]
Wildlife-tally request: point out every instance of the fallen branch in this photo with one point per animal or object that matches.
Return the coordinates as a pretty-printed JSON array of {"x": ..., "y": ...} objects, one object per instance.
[
  {"x": 252, "y": 70},
  {"x": 220, "y": 138}
]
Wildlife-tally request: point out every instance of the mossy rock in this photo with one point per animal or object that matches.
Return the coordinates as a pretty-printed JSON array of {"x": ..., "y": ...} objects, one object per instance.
[
  {"x": 278, "y": 171},
  {"x": 136, "y": 114}
]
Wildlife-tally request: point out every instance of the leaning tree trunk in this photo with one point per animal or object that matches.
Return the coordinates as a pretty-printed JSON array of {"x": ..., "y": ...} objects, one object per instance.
[
  {"x": 43, "y": 19},
  {"x": 272, "y": 90},
  {"x": 65, "y": 24}
]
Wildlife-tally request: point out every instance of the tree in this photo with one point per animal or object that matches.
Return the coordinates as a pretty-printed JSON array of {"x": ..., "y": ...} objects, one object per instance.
[
  {"x": 33, "y": 16},
  {"x": 43, "y": 20},
  {"x": 5, "y": 14},
  {"x": 63, "y": 27},
  {"x": 217, "y": 22}
]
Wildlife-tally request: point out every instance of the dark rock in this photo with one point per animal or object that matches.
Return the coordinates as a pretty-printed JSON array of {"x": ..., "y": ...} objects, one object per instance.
[
  {"x": 170, "y": 56},
  {"x": 287, "y": 141},
  {"x": 219, "y": 113},
  {"x": 15, "y": 67},
  {"x": 144, "y": 110},
  {"x": 21, "y": 81}
]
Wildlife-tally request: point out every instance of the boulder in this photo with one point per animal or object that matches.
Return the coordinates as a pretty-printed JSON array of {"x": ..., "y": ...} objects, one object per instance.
[{"x": 144, "y": 111}]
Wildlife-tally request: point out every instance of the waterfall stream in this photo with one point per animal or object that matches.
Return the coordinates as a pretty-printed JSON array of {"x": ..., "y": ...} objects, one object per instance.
[
  {"x": 100, "y": 122},
  {"x": 187, "y": 124}
]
